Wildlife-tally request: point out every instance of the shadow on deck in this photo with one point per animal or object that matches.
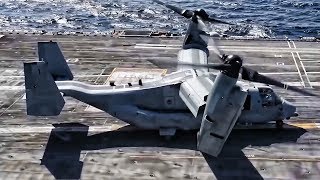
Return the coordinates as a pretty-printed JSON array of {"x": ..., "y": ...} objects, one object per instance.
[{"x": 62, "y": 153}]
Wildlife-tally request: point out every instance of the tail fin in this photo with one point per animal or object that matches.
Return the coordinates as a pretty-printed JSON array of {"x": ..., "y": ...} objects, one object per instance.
[
  {"x": 57, "y": 65},
  {"x": 43, "y": 96}
]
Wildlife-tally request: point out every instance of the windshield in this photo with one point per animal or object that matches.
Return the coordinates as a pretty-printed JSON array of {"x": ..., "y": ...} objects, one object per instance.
[{"x": 268, "y": 97}]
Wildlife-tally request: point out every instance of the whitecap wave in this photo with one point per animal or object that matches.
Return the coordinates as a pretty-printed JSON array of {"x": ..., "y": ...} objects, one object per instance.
[{"x": 265, "y": 18}]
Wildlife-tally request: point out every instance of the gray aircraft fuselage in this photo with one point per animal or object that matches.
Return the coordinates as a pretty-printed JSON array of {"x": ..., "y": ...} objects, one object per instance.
[{"x": 157, "y": 104}]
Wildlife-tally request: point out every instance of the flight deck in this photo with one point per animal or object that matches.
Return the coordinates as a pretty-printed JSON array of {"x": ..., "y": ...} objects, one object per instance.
[{"x": 86, "y": 143}]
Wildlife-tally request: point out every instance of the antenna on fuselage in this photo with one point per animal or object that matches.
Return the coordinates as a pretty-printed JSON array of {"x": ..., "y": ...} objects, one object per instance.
[{"x": 112, "y": 83}]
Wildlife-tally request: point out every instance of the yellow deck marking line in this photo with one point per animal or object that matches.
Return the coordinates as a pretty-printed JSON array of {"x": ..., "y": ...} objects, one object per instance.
[
  {"x": 287, "y": 125},
  {"x": 309, "y": 125},
  {"x": 98, "y": 129}
]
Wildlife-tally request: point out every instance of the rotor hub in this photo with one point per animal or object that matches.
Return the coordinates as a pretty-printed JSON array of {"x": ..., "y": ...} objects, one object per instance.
[
  {"x": 202, "y": 13},
  {"x": 236, "y": 63}
]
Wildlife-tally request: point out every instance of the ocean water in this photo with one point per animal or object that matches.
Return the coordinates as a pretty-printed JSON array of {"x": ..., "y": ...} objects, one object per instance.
[{"x": 264, "y": 18}]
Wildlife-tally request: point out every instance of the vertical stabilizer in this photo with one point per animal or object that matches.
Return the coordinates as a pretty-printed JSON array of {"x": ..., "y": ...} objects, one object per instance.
[
  {"x": 57, "y": 65},
  {"x": 43, "y": 96}
]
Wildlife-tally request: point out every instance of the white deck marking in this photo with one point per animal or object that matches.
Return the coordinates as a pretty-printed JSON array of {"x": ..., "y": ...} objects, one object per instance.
[
  {"x": 280, "y": 73},
  {"x": 304, "y": 69},
  {"x": 299, "y": 84},
  {"x": 100, "y": 75},
  {"x": 307, "y": 60},
  {"x": 11, "y": 88},
  {"x": 295, "y": 62},
  {"x": 314, "y": 72},
  {"x": 95, "y": 82},
  {"x": 12, "y": 104},
  {"x": 47, "y": 129},
  {"x": 79, "y": 76}
]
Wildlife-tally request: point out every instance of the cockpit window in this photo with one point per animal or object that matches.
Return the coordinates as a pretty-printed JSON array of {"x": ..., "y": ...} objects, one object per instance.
[
  {"x": 278, "y": 100},
  {"x": 267, "y": 96},
  {"x": 265, "y": 90}
]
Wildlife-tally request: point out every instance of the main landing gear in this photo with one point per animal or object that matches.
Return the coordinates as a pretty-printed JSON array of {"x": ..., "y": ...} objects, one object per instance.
[{"x": 279, "y": 124}]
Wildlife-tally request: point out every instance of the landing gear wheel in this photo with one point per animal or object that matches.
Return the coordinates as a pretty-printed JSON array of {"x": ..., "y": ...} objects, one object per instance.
[
  {"x": 168, "y": 137},
  {"x": 279, "y": 124}
]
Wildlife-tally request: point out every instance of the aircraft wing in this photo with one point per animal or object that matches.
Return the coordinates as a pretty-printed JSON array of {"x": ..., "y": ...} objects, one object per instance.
[
  {"x": 194, "y": 93},
  {"x": 191, "y": 56}
]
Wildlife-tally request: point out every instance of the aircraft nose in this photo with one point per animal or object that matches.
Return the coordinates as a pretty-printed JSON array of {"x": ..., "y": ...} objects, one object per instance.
[{"x": 289, "y": 109}]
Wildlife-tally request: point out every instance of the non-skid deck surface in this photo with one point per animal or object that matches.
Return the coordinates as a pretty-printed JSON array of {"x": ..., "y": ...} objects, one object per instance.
[{"x": 88, "y": 144}]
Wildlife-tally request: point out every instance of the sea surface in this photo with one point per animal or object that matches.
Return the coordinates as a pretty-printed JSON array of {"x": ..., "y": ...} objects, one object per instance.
[{"x": 264, "y": 18}]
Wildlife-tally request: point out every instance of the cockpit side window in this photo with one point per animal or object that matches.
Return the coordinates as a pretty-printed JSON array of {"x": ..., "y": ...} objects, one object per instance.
[
  {"x": 278, "y": 100},
  {"x": 267, "y": 97}
]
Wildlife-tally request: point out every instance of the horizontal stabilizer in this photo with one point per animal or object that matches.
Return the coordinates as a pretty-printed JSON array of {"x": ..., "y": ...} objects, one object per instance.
[
  {"x": 57, "y": 65},
  {"x": 43, "y": 96}
]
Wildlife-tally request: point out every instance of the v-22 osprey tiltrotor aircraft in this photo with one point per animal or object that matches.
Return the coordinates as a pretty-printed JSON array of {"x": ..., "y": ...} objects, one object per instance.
[{"x": 190, "y": 98}]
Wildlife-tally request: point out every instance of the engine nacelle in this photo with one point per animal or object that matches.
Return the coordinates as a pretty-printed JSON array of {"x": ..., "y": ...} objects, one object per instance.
[{"x": 224, "y": 105}]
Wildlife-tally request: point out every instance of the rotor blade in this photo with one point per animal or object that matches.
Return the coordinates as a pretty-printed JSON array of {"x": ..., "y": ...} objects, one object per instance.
[
  {"x": 217, "y": 66},
  {"x": 220, "y": 55},
  {"x": 183, "y": 12},
  {"x": 215, "y": 49},
  {"x": 212, "y": 20},
  {"x": 252, "y": 75}
]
